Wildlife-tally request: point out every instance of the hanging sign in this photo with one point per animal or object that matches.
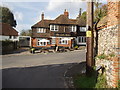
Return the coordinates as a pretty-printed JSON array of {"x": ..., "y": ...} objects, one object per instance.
[{"x": 88, "y": 34}]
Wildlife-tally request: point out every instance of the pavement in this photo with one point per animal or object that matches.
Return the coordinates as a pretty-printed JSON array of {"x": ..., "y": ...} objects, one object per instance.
[{"x": 39, "y": 70}]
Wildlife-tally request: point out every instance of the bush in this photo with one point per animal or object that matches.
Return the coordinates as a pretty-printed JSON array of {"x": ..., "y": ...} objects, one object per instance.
[
  {"x": 118, "y": 83},
  {"x": 101, "y": 81},
  {"x": 8, "y": 46},
  {"x": 6, "y": 42}
]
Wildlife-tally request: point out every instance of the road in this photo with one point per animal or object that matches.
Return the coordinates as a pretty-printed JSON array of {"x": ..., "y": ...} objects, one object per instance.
[{"x": 38, "y": 70}]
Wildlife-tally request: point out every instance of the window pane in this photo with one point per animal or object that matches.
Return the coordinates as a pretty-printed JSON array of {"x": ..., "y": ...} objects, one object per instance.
[
  {"x": 83, "y": 29},
  {"x": 44, "y": 43},
  {"x": 52, "y": 27},
  {"x": 53, "y": 41}
]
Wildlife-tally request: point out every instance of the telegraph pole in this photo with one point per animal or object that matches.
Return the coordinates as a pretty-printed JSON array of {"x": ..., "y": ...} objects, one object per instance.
[{"x": 89, "y": 36}]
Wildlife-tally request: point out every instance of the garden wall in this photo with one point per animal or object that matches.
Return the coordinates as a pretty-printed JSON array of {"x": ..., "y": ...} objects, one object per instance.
[{"x": 109, "y": 44}]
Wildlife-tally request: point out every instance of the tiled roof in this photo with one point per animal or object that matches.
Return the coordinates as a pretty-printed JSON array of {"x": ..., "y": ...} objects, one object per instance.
[
  {"x": 7, "y": 30},
  {"x": 62, "y": 19},
  {"x": 81, "y": 22},
  {"x": 43, "y": 23}
]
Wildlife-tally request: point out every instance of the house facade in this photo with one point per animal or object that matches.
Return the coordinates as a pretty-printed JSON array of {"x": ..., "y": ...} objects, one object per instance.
[
  {"x": 7, "y": 32},
  {"x": 61, "y": 31}
]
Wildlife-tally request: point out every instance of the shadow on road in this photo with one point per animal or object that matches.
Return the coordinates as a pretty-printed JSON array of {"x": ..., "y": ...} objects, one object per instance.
[
  {"x": 18, "y": 51},
  {"x": 48, "y": 76}
]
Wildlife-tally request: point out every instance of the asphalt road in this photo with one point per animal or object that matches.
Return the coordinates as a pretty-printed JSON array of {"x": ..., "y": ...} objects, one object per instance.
[{"x": 38, "y": 70}]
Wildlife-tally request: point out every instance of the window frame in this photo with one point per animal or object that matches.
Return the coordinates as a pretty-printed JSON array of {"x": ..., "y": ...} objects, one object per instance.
[
  {"x": 81, "y": 30},
  {"x": 61, "y": 41},
  {"x": 39, "y": 43},
  {"x": 54, "y": 41},
  {"x": 41, "y": 30},
  {"x": 54, "y": 27},
  {"x": 82, "y": 39},
  {"x": 73, "y": 28}
]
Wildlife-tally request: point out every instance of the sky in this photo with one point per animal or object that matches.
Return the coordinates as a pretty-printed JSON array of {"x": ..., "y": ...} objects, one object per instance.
[{"x": 28, "y": 12}]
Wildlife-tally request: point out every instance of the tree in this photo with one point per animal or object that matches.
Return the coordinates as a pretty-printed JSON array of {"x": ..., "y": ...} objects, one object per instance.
[
  {"x": 26, "y": 33},
  {"x": 99, "y": 13},
  {"x": 83, "y": 16},
  {"x": 6, "y": 16}
]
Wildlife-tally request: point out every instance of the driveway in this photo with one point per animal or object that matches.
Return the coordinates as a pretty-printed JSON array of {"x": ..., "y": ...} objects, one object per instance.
[{"x": 38, "y": 70}]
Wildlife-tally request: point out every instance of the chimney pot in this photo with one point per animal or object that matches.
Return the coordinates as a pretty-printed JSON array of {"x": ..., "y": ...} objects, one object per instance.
[
  {"x": 66, "y": 13},
  {"x": 42, "y": 15}
]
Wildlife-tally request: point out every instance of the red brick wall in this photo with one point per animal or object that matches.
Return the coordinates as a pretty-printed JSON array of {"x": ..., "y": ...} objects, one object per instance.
[
  {"x": 34, "y": 43},
  {"x": 113, "y": 13},
  {"x": 114, "y": 19}
]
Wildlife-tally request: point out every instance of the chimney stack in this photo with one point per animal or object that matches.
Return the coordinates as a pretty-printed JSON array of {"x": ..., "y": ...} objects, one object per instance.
[
  {"x": 80, "y": 12},
  {"x": 66, "y": 13},
  {"x": 42, "y": 16}
]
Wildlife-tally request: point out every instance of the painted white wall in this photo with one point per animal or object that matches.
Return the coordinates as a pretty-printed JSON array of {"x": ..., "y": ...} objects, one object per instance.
[
  {"x": 4, "y": 37},
  {"x": 7, "y": 38}
]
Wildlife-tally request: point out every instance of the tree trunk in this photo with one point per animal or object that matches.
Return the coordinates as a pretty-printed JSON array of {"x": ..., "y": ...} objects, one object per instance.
[{"x": 96, "y": 38}]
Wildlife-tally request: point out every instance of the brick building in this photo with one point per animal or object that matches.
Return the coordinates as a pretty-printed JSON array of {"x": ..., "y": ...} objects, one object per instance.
[
  {"x": 61, "y": 31},
  {"x": 109, "y": 42}
]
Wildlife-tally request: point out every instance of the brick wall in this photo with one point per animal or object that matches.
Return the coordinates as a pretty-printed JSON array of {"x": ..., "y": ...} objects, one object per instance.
[
  {"x": 109, "y": 41},
  {"x": 114, "y": 19},
  {"x": 34, "y": 43}
]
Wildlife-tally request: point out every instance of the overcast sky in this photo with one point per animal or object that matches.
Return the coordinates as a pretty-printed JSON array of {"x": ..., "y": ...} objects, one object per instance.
[{"x": 28, "y": 13}]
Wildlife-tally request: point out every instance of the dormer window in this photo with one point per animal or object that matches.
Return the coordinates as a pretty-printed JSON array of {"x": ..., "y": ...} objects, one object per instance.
[
  {"x": 73, "y": 28},
  {"x": 54, "y": 27},
  {"x": 82, "y": 29},
  {"x": 41, "y": 30}
]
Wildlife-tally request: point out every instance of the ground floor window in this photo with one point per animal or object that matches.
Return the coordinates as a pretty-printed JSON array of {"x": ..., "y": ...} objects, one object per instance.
[
  {"x": 42, "y": 42},
  {"x": 82, "y": 39},
  {"x": 63, "y": 41},
  {"x": 53, "y": 41}
]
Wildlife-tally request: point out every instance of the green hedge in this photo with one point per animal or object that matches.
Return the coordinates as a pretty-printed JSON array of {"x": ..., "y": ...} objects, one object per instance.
[{"x": 8, "y": 46}]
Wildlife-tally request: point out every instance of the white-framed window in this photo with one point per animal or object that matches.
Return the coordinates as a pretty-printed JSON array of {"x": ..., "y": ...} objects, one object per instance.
[
  {"x": 15, "y": 37},
  {"x": 83, "y": 29},
  {"x": 10, "y": 37},
  {"x": 53, "y": 41},
  {"x": 73, "y": 28},
  {"x": 63, "y": 41},
  {"x": 42, "y": 42},
  {"x": 41, "y": 30},
  {"x": 82, "y": 39},
  {"x": 54, "y": 27}
]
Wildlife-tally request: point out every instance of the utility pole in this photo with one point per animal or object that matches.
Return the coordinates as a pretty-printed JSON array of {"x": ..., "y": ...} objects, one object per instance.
[{"x": 89, "y": 36}]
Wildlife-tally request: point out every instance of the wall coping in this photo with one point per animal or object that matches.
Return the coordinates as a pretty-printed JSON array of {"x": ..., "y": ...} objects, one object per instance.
[{"x": 110, "y": 27}]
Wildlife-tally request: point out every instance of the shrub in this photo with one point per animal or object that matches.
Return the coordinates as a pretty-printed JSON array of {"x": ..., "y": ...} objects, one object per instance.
[
  {"x": 101, "y": 81},
  {"x": 118, "y": 83}
]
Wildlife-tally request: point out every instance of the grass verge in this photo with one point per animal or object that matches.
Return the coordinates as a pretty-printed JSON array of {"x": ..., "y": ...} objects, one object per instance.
[{"x": 82, "y": 81}]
